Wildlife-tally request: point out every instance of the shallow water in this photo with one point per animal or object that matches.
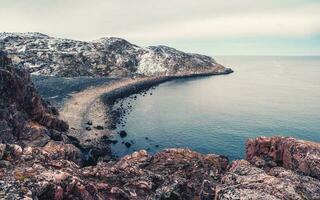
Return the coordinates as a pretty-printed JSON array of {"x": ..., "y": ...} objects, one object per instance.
[{"x": 265, "y": 96}]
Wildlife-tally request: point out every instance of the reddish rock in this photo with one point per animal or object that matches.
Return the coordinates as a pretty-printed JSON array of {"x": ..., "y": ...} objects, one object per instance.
[
  {"x": 172, "y": 173},
  {"x": 24, "y": 115},
  {"x": 245, "y": 181},
  {"x": 64, "y": 151},
  {"x": 297, "y": 155}
]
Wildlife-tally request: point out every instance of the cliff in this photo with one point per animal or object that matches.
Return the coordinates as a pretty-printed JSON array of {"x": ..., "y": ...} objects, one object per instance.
[
  {"x": 22, "y": 109},
  {"x": 45, "y": 55}
]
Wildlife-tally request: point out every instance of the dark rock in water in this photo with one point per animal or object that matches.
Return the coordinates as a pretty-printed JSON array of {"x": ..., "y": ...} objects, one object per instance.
[
  {"x": 104, "y": 137},
  {"x": 156, "y": 145},
  {"x": 99, "y": 127},
  {"x": 111, "y": 141},
  {"x": 88, "y": 128},
  {"x": 123, "y": 133},
  {"x": 146, "y": 138},
  {"x": 113, "y": 126},
  {"x": 89, "y": 123},
  {"x": 128, "y": 145}
]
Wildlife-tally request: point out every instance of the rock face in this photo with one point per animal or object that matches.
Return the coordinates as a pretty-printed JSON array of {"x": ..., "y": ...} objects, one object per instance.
[
  {"x": 246, "y": 181},
  {"x": 25, "y": 118},
  {"x": 276, "y": 168},
  {"x": 171, "y": 174},
  {"x": 297, "y": 155},
  {"x": 45, "y": 55}
]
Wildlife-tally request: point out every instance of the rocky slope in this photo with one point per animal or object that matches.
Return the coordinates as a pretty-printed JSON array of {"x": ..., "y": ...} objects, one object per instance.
[
  {"x": 40, "y": 173},
  {"x": 45, "y": 55},
  {"x": 24, "y": 116},
  {"x": 275, "y": 168}
]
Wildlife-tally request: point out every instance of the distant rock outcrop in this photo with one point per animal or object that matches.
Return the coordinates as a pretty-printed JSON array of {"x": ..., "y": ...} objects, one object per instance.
[{"x": 45, "y": 55}]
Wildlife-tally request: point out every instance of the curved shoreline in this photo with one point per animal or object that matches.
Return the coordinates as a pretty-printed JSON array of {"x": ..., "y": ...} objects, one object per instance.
[{"x": 93, "y": 105}]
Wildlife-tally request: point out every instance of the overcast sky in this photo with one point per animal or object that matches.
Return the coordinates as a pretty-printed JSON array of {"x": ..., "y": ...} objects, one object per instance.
[{"x": 224, "y": 27}]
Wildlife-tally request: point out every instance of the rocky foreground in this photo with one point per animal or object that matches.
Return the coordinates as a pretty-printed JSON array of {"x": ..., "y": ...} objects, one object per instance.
[
  {"x": 46, "y": 173},
  {"x": 39, "y": 160},
  {"x": 45, "y": 55}
]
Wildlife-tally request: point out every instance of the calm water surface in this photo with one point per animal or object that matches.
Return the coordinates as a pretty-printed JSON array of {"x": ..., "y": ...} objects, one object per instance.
[{"x": 265, "y": 96}]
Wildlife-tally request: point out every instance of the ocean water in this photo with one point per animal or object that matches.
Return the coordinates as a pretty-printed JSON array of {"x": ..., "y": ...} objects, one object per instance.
[{"x": 265, "y": 96}]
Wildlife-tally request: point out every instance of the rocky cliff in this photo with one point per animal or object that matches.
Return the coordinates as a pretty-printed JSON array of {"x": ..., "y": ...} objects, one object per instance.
[
  {"x": 26, "y": 120},
  {"x": 45, "y": 55},
  {"x": 24, "y": 115}
]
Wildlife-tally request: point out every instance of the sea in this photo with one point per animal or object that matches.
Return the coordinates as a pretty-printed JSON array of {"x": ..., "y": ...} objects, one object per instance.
[{"x": 265, "y": 96}]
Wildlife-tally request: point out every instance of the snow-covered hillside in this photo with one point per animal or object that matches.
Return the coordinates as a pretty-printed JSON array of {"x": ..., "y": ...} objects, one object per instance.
[{"x": 45, "y": 55}]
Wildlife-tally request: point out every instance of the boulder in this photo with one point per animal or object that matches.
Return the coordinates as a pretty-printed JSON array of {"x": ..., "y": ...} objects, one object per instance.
[
  {"x": 246, "y": 181},
  {"x": 297, "y": 155}
]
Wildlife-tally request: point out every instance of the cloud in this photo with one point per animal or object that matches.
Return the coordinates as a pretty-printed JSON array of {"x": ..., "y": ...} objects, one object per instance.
[
  {"x": 293, "y": 22},
  {"x": 232, "y": 26},
  {"x": 166, "y": 19}
]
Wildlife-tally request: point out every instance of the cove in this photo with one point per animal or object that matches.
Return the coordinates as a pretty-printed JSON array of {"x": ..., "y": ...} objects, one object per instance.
[{"x": 265, "y": 96}]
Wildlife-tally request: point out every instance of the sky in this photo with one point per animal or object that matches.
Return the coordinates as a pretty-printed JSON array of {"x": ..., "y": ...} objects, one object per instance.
[{"x": 213, "y": 27}]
